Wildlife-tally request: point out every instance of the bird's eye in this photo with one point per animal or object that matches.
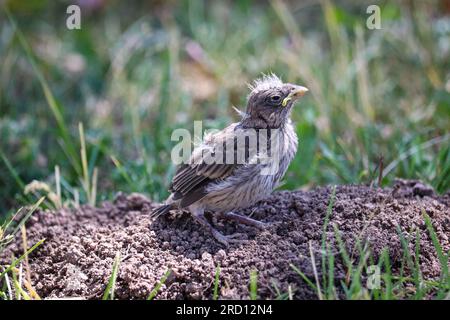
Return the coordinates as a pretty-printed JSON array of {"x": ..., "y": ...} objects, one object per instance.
[{"x": 275, "y": 98}]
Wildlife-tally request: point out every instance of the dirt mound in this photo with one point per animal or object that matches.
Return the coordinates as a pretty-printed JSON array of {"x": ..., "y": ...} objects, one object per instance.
[{"x": 77, "y": 256}]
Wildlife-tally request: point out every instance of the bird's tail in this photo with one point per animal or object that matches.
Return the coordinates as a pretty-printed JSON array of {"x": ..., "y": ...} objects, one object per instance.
[{"x": 161, "y": 210}]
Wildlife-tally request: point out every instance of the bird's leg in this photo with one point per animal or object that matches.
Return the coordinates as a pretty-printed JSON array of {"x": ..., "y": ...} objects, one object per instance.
[
  {"x": 244, "y": 220},
  {"x": 199, "y": 215}
]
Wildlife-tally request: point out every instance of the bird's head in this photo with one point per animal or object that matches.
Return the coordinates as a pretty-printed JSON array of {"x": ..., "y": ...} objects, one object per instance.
[{"x": 270, "y": 102}]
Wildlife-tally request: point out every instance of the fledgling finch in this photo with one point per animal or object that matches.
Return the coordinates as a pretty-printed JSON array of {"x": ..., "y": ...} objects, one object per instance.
[{"x": 210, "y": 181}]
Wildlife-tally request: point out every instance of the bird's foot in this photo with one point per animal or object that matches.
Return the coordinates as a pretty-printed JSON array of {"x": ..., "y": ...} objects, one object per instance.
[
  {"x": 227, "y": 239},
  {"x": 244, "y": 220},
  {"x": 223, "y": 239}
]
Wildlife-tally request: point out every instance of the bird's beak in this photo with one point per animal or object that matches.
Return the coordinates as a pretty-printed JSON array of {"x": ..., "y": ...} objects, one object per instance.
[{"x": 296, "y": 93}]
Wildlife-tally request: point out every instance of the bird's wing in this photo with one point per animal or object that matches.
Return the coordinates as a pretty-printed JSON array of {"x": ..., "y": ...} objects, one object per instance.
[{"x": 190, "y": 180}]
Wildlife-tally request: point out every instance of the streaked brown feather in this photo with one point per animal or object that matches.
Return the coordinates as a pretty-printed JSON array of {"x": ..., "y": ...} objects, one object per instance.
[{"x": 190, "y": 180}]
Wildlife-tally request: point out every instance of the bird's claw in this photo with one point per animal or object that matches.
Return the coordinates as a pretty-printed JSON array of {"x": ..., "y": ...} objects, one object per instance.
[{"x": 226, "y": 240}]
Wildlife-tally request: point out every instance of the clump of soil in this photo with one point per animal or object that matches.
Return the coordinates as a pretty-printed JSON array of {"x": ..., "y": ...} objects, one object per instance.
[{"x": 77, "y": 257}]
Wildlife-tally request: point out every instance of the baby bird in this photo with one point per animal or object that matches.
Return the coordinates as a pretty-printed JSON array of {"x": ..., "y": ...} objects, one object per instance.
[{"x": 242, "y": 164}]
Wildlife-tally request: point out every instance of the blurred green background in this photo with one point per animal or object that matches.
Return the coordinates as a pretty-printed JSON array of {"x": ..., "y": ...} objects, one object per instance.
[{"x": 136, "y": 71}]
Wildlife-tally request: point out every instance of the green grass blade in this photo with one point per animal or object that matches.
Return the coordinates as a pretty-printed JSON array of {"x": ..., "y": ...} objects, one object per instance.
[
  {"x": 343, "y": 251},
  {"x": 443, "y": 258},
  {"x": 304, "y": 277},
  {"x": 110, "y": 287},
  {"x": 413, "y": 266},
  {"x": 356, "y": 287},
  {"x": 158, "y": 286},
  {"x": 28, "y": 215},
  {"x": 405, "y": 246},
  {"x": 20, "y": 293},
  {"x": 122, "y": 170},
  {"x": 216, "y": 283},
  {"x": 387, "y": 275},
  {"x": 331, "y": 291},
  {"x": 15, "y": 262},
  {"x": 253, "y": 285},
  {"x": 84, "y": 162}
]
